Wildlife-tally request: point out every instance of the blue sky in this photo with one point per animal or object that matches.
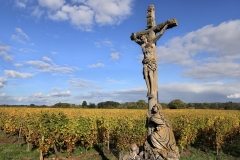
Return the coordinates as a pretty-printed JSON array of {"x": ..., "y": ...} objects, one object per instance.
[{"x": 74, "y": 50}]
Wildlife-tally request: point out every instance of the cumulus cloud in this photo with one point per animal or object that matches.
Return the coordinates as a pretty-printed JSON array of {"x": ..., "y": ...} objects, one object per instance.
[
  {"x": 80, "y": 16},
  {"x": 45, "y": 67},
  {"x": 198, "y": 92},
  {"x": 115, "y": 56},
  {"x": 37, "y": 94},
  {"x": 3, "y": 81},
  {"x": 4, "y": 49},
  {"x": 96, "y": 65},
  {"x": 51, "y": 4},
  {"x": 83, "y": 14},
  {"x": 109, "y": 11},
  {"x": 45, "y": 58},
  {"x": 130, "y": 95},
  {"x": 36, "y": 98},
  {"x": 2, "y": 94},
  {"x": 60, "y": 94},
  {"x": 216, "y": 46},
  {"x": 214, "y": 71},
  {"x": 187, "y": 92},
  {"x": 37, "y": 12},
  {"x": 15, "y": 74},
  {"x": 235, "y": 95}
]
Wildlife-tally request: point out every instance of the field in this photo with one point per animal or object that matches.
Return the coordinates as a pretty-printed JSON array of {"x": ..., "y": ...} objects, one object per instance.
[{"x": 68, "y": 130}]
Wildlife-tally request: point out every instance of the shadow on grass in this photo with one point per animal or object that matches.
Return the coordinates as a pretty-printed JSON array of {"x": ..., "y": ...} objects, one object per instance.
[{"x": 101, "y": 152}]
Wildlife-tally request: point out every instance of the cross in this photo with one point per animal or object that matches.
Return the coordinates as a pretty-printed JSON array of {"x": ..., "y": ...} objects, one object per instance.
[{"x": 147, "y": 40}]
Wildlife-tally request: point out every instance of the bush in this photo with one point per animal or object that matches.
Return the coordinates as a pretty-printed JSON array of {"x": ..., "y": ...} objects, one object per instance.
[{"x": 177, "y": 104}]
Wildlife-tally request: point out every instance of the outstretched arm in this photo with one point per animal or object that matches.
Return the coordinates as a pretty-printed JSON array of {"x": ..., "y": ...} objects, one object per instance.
[{"x": 160, "y": 34}]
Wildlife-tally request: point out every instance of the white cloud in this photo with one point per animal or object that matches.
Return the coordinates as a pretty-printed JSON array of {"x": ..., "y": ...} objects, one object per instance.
[
  {"x": 27, "y": 50},
  {"x": 54, "y": 68},
  {"x": 15, "y": 74},
  {"x": 214, "y": 71},
  {"x": 216, "y": 46},
  {"x": 222, "y": 39},
  {"x": 129, "y": 95},
  {"x": 187, "y": 92},
  {"x": 18, "y": 64},
  {"x": 51, "y": 4},
  {"x": 63, "y": 69},
  {"x": 37, "y": 12},
  {"x": 103, "y": 42},
  {"x": 109, "y": 11},
  {"x": 198, "y": 92},
  {"x": 4, "y": 49},
  {"x": 111, "y": 80},
  {"x": 37, "y": 94},
  {"x": 20, "y": 36},
  {"x": 81, "y": 83},
  {"x": 53, "y": 52},
  {"x": 18, "y": 39},
  {"x": 45, "y": 58},
  {"x": 236, "y": 95},
  {"x": 115, "y": 56},
  {"x": 21, "y": 33},
  {"x": 60, "y": 94},
  {"x": 56, "y": 88},
  {"x": 99, "y": 64},
  {"x": 45, "y": 67},
  {"x": 59, "y": 16},
  {"x": 83, "y": 14},
  {"x": 2, "y": 94},
  {"x": 20, "y": 4},
  {"x": 79, "y": 16},
  {"x": 107, "y": 42},
  {"x": 3, "y": 81}
]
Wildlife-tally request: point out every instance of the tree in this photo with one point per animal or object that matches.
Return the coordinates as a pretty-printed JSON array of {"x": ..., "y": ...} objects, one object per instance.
[
  {"x": 177, "y": 104},
  {"x": 92, "y": 105},
  {"x": 142, "y": 104},
  {"x": 108, "y": 104},
  {"x": 164, "y": 105},
  {"x": 84, "y": 104},
  {"x": 32, "y": 105},
  {"x": 190, "y": 105}
]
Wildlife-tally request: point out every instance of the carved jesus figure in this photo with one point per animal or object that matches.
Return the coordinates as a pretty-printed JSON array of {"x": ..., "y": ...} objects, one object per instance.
[{"x": 149, "y": 57}]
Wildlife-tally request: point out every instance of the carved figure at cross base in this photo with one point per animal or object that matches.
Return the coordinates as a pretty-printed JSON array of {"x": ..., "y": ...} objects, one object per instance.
[{"x": 160, "y": 143}]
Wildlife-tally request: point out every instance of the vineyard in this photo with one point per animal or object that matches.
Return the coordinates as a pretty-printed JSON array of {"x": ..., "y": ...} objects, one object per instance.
[{"x": 64, "y": 130}]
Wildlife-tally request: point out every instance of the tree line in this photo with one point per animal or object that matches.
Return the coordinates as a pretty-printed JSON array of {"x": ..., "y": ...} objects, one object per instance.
[{"x": 141, "y": 104}]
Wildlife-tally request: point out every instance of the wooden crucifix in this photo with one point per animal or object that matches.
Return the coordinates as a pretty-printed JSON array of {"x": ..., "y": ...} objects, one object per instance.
[{"x": 147, "y": 40}]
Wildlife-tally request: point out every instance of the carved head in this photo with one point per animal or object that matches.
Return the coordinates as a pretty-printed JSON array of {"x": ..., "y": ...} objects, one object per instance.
[
  {"x": 157, "y": 107},
  {"x": 134, "y": 149},
  {"x": 144, "y": 38}
]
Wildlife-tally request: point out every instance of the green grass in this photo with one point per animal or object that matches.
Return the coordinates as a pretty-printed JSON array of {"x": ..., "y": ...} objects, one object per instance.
[
  {"x": 16, "y": 152},
  {"x": 196, "y": 154}
]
